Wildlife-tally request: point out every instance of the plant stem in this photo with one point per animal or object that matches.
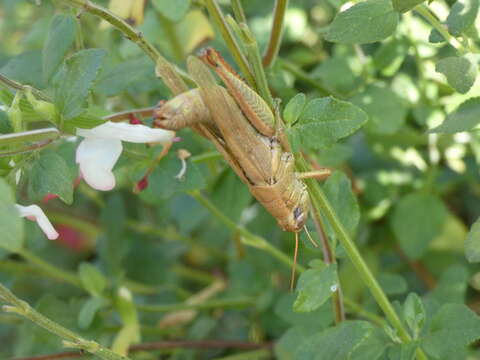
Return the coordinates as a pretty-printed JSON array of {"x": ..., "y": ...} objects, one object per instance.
[
  {"x": 165, "y": 69},
  {"x": 424, "y": 11},
  {"x": 50, "y": 269},
  {"x": 212, "y": 304},
  {"x": 253, "y": 54},
  {"x": 16, "y": 85},
  {"x": 322, "y": 205},
  {"x": 231, "y": 42},
  {"x": 238, "y": 11},
  {"x": 276, "y": 33},
  {"x": 329, "y": 258},
  {"x": 304, "y": 77},
  {"x": 71, "y": 339}
]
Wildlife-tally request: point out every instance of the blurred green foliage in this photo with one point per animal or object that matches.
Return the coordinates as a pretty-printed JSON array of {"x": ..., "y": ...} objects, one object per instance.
[{"x": 374, "y": 89}]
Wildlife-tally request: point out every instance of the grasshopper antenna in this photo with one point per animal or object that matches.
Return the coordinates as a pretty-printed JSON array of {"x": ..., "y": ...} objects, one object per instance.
[
  {"x": 309, "y": 236},
  {"x": 292, "y": 279}
]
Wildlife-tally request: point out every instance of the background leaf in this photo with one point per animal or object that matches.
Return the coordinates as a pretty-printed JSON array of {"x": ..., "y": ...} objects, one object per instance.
[
  {"x": 11, "y": 225},
  {"x": 461, "y": 72},
  {"x": 472, "y": 243},
  {"x": 71, "y": 92},
  {"x": 366, "y": 22}
]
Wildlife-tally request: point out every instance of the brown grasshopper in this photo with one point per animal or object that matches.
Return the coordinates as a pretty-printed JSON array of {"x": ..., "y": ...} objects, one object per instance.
[{"x": 247, "y": 133}]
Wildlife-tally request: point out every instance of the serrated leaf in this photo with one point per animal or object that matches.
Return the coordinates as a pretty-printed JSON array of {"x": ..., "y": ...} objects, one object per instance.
[
  {"x": 294, "y": 108},
  {"x": 59, "y": 41},
  {"x": 71, "y": 92},
  {"x": 465, "y": 118},
  {"x": 314, "y": 287},
  {"x": 325, "y": 121},
  {"x": 366, "y": 22},
  {"x": 462, "y": 16},
  {"x": 335, "y": 343},
  {"x": 173, "y": 13},
  {"x": 453, "y": 328},
  {"x": 472, "y": 243},
  {"x": 11, "y": 225},
  {"x": 338, "y": 189},
  {"x": 416, "y": 220},
  {"x": 50, "y": 175},
  {"x": 405, "y": 5},
  {"x": 92, "y": 279},
  {"x": 414, "y": 313},
  {"x": 386, "y": 110},
  {"x": 461, "y": 72}
]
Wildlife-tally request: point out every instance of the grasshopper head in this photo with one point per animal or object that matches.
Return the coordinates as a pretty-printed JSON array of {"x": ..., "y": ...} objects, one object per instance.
[{"x": 298, "y": 216}]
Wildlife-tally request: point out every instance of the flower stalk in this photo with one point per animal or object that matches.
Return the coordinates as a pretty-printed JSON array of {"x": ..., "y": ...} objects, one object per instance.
[{"x": 71, "y": 339}]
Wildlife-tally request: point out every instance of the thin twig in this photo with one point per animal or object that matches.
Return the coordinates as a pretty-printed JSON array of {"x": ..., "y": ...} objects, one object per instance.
[
  {"x": 16, "y": 85},
  {"x": 162, "y": 345},
  {"x": 276, "y": 33}
]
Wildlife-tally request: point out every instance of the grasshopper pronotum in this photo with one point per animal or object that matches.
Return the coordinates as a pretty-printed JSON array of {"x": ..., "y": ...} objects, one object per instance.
[{"x": 247, "y": 133}]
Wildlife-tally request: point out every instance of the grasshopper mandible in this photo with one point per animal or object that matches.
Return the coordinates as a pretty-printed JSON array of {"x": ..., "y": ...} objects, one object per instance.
[{"x": 248, "y": 134}]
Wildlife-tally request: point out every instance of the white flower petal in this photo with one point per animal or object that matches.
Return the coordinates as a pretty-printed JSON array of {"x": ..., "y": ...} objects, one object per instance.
[
  {"x": 35, "y": 213},
  {"x": 96, "y": 158},
  {"x": 127, "y": 132}
]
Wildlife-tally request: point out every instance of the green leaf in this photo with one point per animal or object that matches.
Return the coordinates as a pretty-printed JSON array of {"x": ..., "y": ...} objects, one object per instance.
[
  {"x": 402, "y": 351},
  {"x": 405, "y": 5},
  {"x": 92, "y": 279},
  {"x": 85, "y": 121},
  {"x": 462, "y": 16},
  {"x": 291, "y": 340},
  {"x": 25, "y": 68},
  {"x": 11, "y": 225},
  {"x": 117, "y": 79},
  {"x": 392, "y": 284},
  {"x": 465, "y": 118},
  {"x": 390, "y": 55},
  {"x": 461, "y": 72},
  {"x": 452, "y": 286},
  {"x": 335, "y": 343},
  {"x": 414, "y": 314},
  {"x": 61, "y": 36},
  {"x": 294, "y": 108},
  {"x": 435, "y": 37},
  {"x": 314, "y": 287},
  {"x": 338, "y": 189},
  {"x": 366, "y": 22},
  {"x": 371, "y": 348},
  {"x": 472, "y": 243},
  {"x": 71, "y": 92},
  {"x": 88, "y": 311},
  {"x": 325, "y": 121},
  {"x": 50, "y": 175},
  {"x": 386, "y": 110},
  {"x": 173, "y": 13},
  {"x": 163, "y": 182},
  {"x": 416, "y": 220},
  {"x": 230, "y": 194},
  {"x": 453, "y": 328}
]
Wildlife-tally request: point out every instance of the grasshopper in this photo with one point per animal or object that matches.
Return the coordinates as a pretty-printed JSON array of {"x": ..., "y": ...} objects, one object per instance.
[{"x": 248, "y": 134}]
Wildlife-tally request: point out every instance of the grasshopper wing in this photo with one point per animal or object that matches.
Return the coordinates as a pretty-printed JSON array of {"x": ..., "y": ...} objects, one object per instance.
[{"x": 251, "y": 150}]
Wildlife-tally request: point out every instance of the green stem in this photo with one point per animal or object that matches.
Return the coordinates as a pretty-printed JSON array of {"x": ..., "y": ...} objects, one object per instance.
[
  {"x": 16, "y": 85},
  {"x": 322, "y": 205},
  {"x": 424, "y": 11},
  {"x": 301, "y": 75},
  {"x": 71, "y": 339},
  {"x": 238, "y": 11},
  {"x": 50, "y": 269},
  {"x": 276, "y": 33},
  {"x": 169, "y": 74},
  {"x": 251, "y": 47},
  {"x": 40, "y": 135},
  {"x": 231, "y": 42},
  {"x": 212, "y": 304}
]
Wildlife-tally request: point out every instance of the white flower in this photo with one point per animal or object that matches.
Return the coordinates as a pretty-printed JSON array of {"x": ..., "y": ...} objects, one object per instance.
[
  {"x": 102, "y": 146},
  {"x": 35, "y": 213}
]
